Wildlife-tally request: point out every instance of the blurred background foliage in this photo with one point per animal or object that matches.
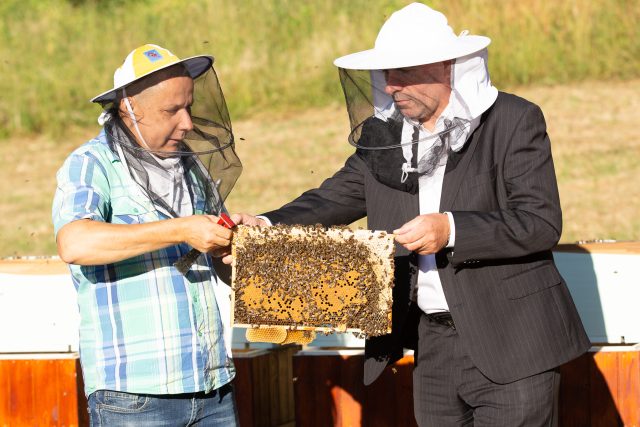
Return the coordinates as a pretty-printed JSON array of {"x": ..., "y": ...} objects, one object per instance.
[
  {"x": 578, "y": 59},
  {"x": 277, "y": 55}
]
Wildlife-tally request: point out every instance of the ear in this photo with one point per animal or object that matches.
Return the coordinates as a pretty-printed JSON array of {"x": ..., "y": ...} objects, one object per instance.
[
  {"x": 131, "y": 101},
  {"x": 133, "y": 109},
  {"x": 122, "y": 106}
]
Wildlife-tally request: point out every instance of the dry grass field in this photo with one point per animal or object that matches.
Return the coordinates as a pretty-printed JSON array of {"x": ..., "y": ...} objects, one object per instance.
[{"x": 592, "y": 127}]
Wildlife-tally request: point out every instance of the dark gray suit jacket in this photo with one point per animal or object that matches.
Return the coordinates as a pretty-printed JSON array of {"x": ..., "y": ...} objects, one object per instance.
[{"x": 511, "y": 307}]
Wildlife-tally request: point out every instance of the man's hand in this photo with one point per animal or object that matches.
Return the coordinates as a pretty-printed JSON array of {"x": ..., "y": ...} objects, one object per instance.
[
  {"x": 425, "y": 234},
  {"x": 246, "y": 219},
  {"x": 203, "y": 233}
]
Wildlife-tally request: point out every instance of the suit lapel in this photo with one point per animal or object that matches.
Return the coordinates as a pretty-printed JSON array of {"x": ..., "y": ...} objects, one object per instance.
[{"x": 456, "y": 169}]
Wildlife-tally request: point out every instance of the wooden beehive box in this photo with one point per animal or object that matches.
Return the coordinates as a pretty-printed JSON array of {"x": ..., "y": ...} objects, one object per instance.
[{"x": 311, "y": 278}]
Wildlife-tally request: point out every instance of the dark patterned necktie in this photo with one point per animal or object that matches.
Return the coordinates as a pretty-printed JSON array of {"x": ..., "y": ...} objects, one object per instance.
[{"x": 415, "y": 137}]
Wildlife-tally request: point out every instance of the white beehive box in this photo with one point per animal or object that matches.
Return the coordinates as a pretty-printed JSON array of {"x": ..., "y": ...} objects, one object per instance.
[
  {"x": 604, "y": 280},
  {"x": 38, "y": 309}
]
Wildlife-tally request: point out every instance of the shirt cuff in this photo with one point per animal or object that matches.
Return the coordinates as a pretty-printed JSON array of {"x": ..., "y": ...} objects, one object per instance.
[
  {"x": 265, "y": 219},
  {"x": 452, "y": 231}
]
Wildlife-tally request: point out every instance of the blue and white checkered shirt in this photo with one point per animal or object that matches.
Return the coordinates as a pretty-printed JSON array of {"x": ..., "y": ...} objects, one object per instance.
[{"x": 144, "y": 328}]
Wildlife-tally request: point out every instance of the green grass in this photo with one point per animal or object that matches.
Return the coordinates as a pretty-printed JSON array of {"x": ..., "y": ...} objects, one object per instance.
[{"x": 277, "y": 55}]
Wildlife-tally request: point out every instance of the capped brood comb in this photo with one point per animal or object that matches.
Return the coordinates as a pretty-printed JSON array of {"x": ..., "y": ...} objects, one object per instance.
[{"x": 312, "y": 278}]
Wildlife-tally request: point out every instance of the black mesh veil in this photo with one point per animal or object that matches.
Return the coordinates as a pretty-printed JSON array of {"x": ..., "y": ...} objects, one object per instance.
[
  {"x": 366, "y": 99},
  {"x": 212, "y": 137},
  {"x": 395, "y": 146},
  {"x": 207, "y": 154}
]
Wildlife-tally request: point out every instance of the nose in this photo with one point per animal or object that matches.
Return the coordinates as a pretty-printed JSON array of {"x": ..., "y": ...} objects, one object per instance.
[
  {"x": 390, "y": 89},
  {"x": 186, "y": 124},
  {"x": 393, "y": 84}
]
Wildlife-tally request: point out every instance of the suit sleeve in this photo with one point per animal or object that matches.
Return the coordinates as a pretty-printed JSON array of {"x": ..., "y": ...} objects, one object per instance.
[
  {"x": 339, "y": 200},
  {"x": 530, "y": 220}
]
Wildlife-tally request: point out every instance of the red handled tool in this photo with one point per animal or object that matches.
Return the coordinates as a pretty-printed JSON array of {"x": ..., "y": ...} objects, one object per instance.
[{"x": 184, "y": 264}]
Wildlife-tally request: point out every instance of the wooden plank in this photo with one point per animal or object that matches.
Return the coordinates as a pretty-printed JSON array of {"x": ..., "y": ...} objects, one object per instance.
[
  {"x": 81, "y": 399},
  {"x": 44, "y": 392},
  {"x": 262, "y": 382},
  {"x": 347, "y": 391},
  {"x": 285, "y": 390},
  {"x": 329, "y": 391},
  {"x": 597, "y": 389},
  {"x": 603, "y": 381},
  {"x": 628, "y": 248},
  {"x": 39, "y": 392},
  {"x": 281, "y": 399},
  {"x": 272, "y": 383},
  {"x": 68, "y": 392},
  {"x": 574, "y": 404},
  {"x": 6, "y": 389},
  {"x": 243, "y": 384},
  {"x": 22, "y": 403},
  {"x": 282, "y": 372},
  {"x": 628, "y": 402},
  {"x": 389, "y": 400},
  {"x": 263, "y": 385},
  {"x": 313, "y": 379},
  {"x": 39, "y": 266}
]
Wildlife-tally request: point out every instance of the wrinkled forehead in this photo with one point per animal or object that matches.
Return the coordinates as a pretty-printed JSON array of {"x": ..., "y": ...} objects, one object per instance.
[
  {"x": 169, "y": 93},
  {"x": 176, "y": 75}
]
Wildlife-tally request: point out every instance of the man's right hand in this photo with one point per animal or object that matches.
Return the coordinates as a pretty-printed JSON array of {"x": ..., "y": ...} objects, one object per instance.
[{"x": 203, "y": 233}]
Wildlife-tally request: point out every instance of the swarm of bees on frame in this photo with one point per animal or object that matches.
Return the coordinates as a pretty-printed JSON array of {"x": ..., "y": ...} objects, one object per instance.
[{"x": 309, "y": 278}]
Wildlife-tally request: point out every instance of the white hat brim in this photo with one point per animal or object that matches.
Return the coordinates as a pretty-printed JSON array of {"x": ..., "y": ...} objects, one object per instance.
[
  {"x": 411, "y": 55},
  {"x": 195, "y": 65}
]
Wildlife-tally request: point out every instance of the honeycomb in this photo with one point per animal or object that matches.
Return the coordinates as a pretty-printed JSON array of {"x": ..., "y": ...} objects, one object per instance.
[
  {"x": 280, "y": 335},
  {"x": 304, "y": 279},
  {"x": 274, "y": 335}
]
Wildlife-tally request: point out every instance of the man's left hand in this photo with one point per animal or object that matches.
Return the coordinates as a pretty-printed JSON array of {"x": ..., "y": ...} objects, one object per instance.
[{"x": 425, "y": 234}]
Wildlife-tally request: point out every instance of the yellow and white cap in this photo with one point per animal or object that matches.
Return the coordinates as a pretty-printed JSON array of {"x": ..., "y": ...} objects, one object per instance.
[{"x": 148, "y": 59}]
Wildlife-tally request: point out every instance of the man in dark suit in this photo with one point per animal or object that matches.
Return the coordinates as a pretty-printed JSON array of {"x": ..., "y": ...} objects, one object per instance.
[{"x": 463, "y": 176}]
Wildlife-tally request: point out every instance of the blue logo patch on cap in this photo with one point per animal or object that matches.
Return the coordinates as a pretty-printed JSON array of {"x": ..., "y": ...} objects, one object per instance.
[{"x": 153, "y": 55}]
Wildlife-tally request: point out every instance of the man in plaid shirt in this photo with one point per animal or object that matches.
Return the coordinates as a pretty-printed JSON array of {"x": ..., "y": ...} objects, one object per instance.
[{"x": 127, "y": 206}]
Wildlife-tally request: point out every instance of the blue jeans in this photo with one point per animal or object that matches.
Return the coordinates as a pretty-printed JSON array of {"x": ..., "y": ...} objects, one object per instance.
[{"x": 115, "y": 408}]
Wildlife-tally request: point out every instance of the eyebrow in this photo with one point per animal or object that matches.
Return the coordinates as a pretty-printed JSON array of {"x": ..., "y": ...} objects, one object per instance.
[{"x": 178, "y": 105}]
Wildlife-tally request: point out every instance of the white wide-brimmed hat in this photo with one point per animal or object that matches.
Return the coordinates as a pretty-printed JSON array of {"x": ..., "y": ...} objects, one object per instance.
[
  {"x": 148, "y": 59},
  {"x": 414, "y": 35}
]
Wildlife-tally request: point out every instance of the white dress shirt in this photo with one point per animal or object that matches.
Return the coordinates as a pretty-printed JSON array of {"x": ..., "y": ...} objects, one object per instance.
[{"x": 430, "y": 296}]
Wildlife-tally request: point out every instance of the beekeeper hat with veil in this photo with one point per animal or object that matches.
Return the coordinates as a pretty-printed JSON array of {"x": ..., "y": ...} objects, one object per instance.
[
  {"x": 413, "y": 36},
  {"x": 206, "y": 156}
]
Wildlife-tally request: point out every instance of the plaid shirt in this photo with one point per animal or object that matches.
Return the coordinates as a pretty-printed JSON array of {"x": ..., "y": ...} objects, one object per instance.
[{"x": 144, "y": 327}]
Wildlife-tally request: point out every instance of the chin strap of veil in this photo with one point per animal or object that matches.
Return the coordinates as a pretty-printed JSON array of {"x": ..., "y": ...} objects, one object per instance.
[{"x": 452, "y": 138}]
